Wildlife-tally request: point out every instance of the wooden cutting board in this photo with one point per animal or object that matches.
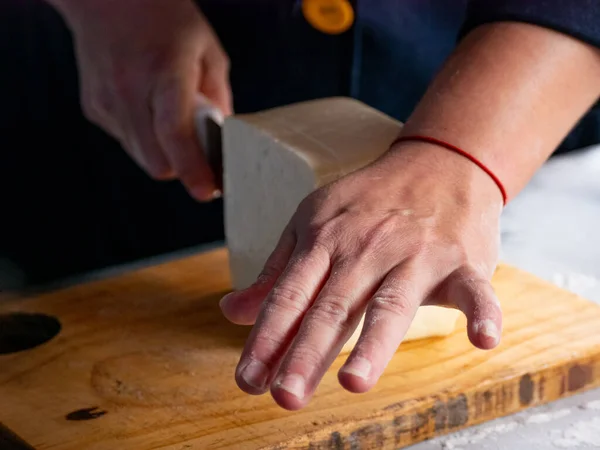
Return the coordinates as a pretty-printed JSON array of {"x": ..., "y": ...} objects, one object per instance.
[{"x": 145, "y": 361}]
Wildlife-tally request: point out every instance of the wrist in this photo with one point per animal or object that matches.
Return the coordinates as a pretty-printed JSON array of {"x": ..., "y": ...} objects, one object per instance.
[
  {"x": 459, "y": 151},
  {"x": 445, "y": 171}
]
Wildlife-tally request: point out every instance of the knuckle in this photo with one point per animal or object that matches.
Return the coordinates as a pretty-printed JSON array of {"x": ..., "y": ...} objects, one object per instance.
[
  {"x": 402, "y": 290},
  {"x": 332, "y": 311},
  {"x": 268, "y": 274},
  {"x": 320, "y": 235},
  {"x": 267, "y": 341},
  {"x": 423, "y": 246},
  {"x": 393, "y": 306},
  {"x": 385, "y": 229},
  {"x": 377, "y": 239},
  {"x": 310, "y": 353},
  {"x": 398, "y": 299},
  {"x": 290, "y": 298}
]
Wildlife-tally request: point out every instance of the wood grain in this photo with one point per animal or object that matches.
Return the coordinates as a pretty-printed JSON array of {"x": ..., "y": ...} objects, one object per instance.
[{"x": 145, "y": 361}]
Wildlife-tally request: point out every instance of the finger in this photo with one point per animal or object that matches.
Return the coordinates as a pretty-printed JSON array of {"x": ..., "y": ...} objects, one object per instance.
[
  {"x": 242, "y": 307},
  {"x": 214, "y": 82},
  {"x": 388, "y": 318},
  {"x": 143, "y": 142},
  {"x": 111, "y": 127},
  {"x": 111, "y": 110},
  {"x": 95, "y": 106},
  {"x": 100, "y": 105},
  {"x": 326, "y": 327},
  {"x": 280, "y": 317},
  {"x": 474, "y": 296},
  {"x": 174, "y": 102},
  {"x": 134, "y": 131},
  {"x": 119, "y": 130}
]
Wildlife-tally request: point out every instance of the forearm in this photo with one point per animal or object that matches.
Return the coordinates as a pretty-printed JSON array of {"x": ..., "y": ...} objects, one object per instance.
[{"x": 509, "y": 95}]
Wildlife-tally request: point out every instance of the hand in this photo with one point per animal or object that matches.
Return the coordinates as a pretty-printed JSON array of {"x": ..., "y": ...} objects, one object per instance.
[
  {"x": 142, "y": 64},
  {"x": 419, "y": 226}
]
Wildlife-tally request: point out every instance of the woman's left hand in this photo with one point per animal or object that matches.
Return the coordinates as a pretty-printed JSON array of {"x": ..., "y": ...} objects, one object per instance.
[{"x": 419, "y": 226}]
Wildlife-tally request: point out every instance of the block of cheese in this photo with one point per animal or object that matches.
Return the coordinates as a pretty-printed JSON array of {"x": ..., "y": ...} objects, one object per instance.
[
  {"x": 430, "y": 321},
  {"x": 275, "y": 158}
]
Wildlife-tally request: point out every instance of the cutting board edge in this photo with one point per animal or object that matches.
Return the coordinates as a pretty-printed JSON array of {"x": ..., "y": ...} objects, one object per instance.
[{"x": 407, "y": 423}]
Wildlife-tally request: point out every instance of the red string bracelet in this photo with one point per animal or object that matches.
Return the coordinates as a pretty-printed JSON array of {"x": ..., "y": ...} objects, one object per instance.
[{"x": 460, "y": 152}]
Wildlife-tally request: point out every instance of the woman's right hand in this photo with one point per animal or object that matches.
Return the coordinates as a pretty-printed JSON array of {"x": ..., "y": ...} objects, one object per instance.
[{"x": 142, "y": 64}]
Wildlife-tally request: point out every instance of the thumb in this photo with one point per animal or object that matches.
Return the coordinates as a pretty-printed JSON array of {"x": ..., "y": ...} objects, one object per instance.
[
  {"x": 214, "y": 83},
  {"x": 475, "y": 297}
]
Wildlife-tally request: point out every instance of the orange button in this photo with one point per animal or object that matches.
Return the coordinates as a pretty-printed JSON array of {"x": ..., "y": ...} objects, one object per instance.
[{"x": 329, "y": 16}]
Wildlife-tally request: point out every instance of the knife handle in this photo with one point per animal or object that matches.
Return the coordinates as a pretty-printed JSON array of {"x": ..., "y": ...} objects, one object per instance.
[{"x": 209, "y": 121}]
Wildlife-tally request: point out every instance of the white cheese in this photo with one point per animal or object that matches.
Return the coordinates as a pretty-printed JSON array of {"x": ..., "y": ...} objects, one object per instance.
[{"x": 275, "y": 158}]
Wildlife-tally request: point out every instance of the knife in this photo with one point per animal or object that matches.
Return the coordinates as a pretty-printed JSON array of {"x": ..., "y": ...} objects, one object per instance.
[{"x": 209, "y": 122}]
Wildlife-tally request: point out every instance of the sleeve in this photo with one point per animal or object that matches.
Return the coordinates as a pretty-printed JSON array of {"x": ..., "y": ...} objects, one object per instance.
[{"x": 577, "y": 18}]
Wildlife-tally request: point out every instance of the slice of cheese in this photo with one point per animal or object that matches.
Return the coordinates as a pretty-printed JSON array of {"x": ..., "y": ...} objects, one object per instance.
[{"x": 275, "y": 158}]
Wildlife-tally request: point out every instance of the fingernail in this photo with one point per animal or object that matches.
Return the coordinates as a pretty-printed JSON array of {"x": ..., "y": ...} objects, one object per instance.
[
  {"x": 255, "y": 374},
  {"x": 359, "y": 367},
  {"x": 294, "y": 384},
  {"x": 488, "y": 329}
]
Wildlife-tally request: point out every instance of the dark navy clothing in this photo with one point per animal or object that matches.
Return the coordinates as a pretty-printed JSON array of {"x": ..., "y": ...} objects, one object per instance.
[
  {"x": 578, "y": 18},
  {"x": 386, "y": 60},
  {"x": 72, "y": 200}
]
